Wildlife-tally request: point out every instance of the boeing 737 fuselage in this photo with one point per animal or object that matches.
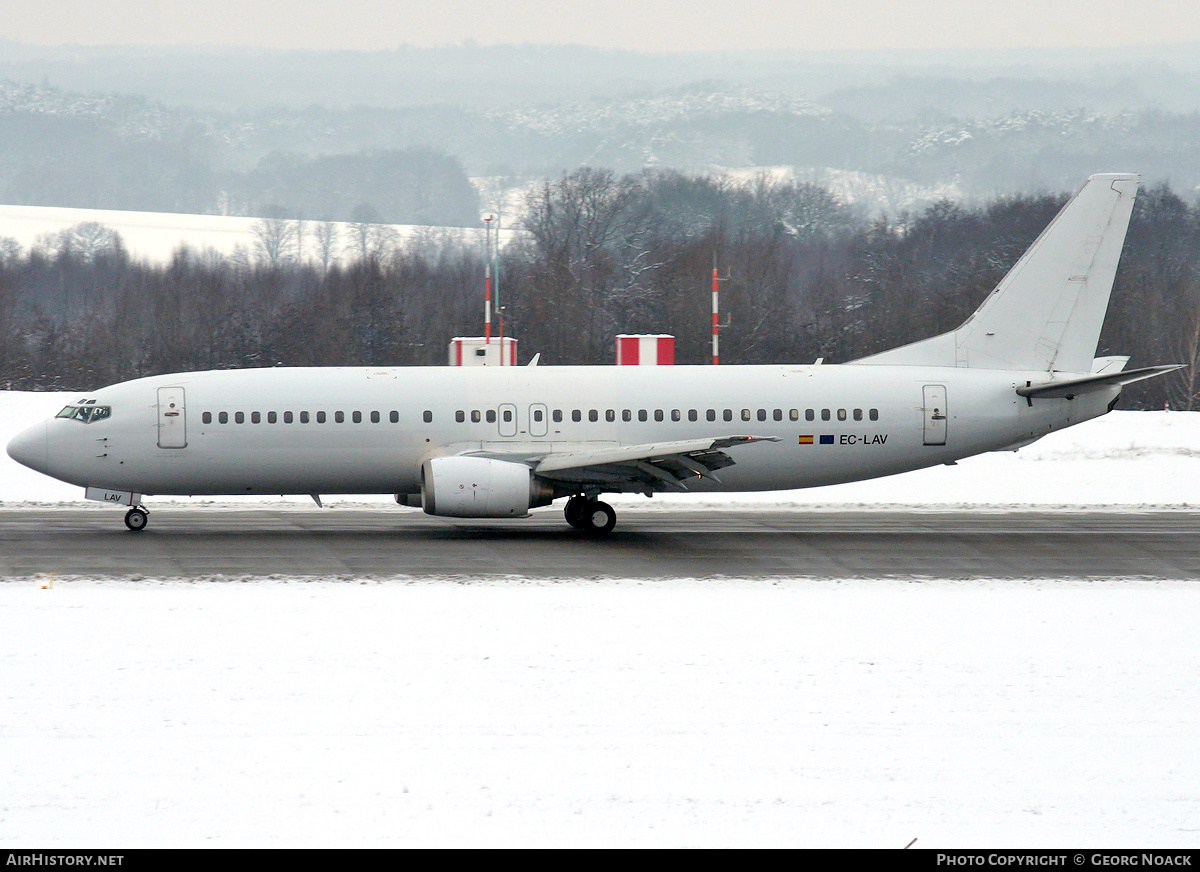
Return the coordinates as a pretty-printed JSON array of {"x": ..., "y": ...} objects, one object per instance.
[{"x": 493, "y": 442}]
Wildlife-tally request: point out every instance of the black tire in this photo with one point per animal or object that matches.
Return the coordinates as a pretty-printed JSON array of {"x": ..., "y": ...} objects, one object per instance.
[
  {"x": 574, "y": 512},
  {"x": 136, "y": 519},
  {"x": 599, "y": 518}
]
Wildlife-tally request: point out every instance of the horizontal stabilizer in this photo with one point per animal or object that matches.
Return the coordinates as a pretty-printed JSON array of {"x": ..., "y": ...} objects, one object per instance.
[{"x": 1073, "y": 387}]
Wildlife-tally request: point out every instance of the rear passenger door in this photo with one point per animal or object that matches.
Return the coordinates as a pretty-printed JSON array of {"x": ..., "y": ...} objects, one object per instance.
[{"x": 936, "y": 414}]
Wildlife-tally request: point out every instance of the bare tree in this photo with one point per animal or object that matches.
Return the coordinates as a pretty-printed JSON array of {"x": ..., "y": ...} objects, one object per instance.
[
  {"x": 86, "y": 241},
  {"x": 276, "y": 239},
  {"x": 327, "y": 239},
  {"x": 10, "y": 249},
  {"x": 370, "y": 239}
]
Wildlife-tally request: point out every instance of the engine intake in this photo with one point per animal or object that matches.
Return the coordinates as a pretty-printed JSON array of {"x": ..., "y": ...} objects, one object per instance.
[{"x": 478, "y": 487}]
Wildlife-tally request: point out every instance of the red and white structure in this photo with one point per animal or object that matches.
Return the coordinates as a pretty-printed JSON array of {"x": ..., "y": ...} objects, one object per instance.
[
  {"x": 716, "y": 312},
  {"x": 487, "y": 280},
  {"x": 645, "y": 350},
  {"x": 483, "y": 351}
]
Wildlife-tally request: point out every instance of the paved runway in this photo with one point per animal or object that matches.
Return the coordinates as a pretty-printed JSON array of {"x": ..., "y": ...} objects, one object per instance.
[{"x": 193, "y": 542}]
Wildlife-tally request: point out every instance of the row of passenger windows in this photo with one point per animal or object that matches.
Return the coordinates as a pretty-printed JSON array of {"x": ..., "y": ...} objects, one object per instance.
[
  {"x": 302, "y": 417},
  {"x": 593, "y": 415},
  {"x": 557, "y": 415}
]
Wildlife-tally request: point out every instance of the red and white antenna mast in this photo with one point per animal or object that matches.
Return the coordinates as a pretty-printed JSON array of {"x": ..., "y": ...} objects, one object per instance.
[
  {"x": 716, "y": 310},
  {"x": 487, "y": 282}
]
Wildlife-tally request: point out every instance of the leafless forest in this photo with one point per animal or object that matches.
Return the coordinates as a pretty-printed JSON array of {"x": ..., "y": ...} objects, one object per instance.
[{"x": 803, "y": 276}]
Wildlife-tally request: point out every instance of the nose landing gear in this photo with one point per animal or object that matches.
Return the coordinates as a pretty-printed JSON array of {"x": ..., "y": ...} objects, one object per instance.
[{"x": 136, "y": 519}]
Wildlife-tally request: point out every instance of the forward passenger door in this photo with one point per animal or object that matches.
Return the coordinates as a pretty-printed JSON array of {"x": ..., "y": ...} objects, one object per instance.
[{"x": 172, "y": 418}]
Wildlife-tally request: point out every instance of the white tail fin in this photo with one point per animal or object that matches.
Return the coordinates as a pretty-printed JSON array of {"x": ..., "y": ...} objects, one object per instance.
[{"x": 1046, "y": 314}]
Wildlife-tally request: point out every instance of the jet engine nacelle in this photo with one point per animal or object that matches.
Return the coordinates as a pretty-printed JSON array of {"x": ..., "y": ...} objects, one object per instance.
[{"x": 477, "y": 487}]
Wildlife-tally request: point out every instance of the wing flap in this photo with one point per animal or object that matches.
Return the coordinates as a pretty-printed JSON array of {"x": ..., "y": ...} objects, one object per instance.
[
  {"x": 697, "y": 449},
  {"x": 654, "y": 466}
]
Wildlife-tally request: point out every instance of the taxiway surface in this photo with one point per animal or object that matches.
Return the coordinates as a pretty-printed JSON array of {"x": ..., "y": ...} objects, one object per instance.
[{"x": 202, "y": 542}]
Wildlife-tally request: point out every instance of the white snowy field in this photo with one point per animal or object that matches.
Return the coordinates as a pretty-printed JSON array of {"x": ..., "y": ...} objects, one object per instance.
[
  {"x": 155, "y": 236},
  {"x": 400, "y": 712},
  {"x": 599, "y": 713}
]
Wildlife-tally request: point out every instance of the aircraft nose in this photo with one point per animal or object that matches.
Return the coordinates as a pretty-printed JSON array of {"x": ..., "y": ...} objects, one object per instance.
[{"x": 29, "y": 447}]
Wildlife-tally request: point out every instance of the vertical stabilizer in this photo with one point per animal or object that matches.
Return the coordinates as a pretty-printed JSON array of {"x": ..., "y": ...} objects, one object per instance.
[{"x": 1047, "y": 312}]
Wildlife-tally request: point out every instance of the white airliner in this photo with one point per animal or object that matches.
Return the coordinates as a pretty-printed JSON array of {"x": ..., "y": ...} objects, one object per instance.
[{"x": 494, "y": 442}]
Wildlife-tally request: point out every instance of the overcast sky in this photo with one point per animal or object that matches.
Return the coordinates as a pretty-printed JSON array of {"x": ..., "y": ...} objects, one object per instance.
[{"x": 644, "y": 25}]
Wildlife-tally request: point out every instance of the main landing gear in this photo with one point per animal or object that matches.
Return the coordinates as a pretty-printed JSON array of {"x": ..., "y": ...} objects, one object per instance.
[
  {"x": 590, "y": 515},
  {"x": 136, "y": 519}
]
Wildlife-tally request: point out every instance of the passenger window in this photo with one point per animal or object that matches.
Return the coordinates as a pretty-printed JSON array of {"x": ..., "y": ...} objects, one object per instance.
[
  {"x": 507, "y": 415},
  {"x": 576, "y": 416},
  {"x": 475, "y": 416},
  {"x": 874, "y": 414},
  {"x": 794, "y": 415},
  {"x": 746, "y": 414},
  {"x": 394, "y": 417},
  {"x": 675, "y": 415},
  {"x": 642, "y": 415},
  {"x": 374, "y": 417},
  {"x": 491, "y": 416},
  {"x": 557, "y": 416},
  {"x": 304, "y": 417},
  {"x": 339, "y": 417},
  {"x": 858, "y": 414},
  {"x": 287, "y": 417},
  {"x": 320, "y": 417},
  {"x": 427, "y": 417},
  {"x": 825, "y": 415},
  {"x": 460, "y": 417},
  {"x": 255, "y": 418},
  {"x": 810, "y": 415},
  {"x": 223, "y": 418},
  {"x": 693, "y": 415},
  {"x": 777, "y": 414},
  {"x": 727, "y": 414},
  {"x": 711, "y": 414},
  {"x": 762, "y": 414},
  {"x": 593, "y": 415},
  {"x": 537, "y": 415},
  {"x": 272, "y": 418},
  {"x": 841, "y": 414},
  {"x": 626, "y": 415},
  {"x": 610, "y": 415},
  {"x": 206, "y": 418}
]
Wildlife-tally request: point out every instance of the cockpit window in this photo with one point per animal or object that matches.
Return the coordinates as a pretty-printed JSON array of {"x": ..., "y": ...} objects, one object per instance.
[{"x": 85, "y": 413}]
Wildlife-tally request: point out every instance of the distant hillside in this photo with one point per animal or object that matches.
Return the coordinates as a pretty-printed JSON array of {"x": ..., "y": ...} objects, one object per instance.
[
  {"x": 399, "y": 134},
  {"x": 110, "y": 151}
]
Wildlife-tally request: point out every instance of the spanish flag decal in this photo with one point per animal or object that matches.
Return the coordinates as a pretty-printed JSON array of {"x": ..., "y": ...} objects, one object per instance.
[{"x": 806, "y": 440}]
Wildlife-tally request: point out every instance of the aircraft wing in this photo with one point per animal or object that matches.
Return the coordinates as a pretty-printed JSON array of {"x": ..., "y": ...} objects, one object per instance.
[{"x": 651, "y": 467}]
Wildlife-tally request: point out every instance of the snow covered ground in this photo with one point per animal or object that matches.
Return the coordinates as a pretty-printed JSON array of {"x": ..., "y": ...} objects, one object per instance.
[
  {"x": 623, "y": 712},
  {"x": 155, "y": 236}
]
